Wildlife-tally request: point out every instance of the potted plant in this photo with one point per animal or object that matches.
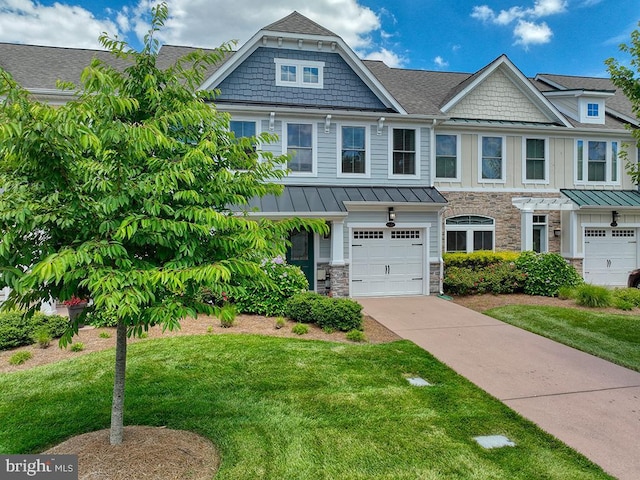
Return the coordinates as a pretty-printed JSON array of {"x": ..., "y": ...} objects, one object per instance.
[{"x": 75, "y": 306}]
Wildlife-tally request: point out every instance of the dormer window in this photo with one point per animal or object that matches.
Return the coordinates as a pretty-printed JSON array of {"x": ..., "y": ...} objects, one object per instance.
[
  {"x": 591, "y": 110},
  {"x": 299, "y": 73}
]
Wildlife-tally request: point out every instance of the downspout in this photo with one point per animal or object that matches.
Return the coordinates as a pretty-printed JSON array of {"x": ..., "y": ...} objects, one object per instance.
[{"x": 432, "y": 176}]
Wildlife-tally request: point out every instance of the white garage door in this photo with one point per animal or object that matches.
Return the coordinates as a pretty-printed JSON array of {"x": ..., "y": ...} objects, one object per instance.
[
  {"x": 388, "y": 261},
  {"x": 609, "y": 255}
]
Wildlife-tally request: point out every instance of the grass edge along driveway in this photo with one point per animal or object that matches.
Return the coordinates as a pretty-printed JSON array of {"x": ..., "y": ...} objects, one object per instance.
[
  {"x": 291, "y": 409},
  {"x": 612, "y": 337}
]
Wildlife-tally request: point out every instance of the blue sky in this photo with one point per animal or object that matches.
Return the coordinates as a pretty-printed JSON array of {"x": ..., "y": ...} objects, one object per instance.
[{"x": 570, "y": 37}]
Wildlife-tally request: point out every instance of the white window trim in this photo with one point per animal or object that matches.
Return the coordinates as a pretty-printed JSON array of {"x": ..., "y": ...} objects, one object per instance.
[
  {"x": 545, "y": 181},
  {"x": 583, "y": 108},
  {"x": 258, "y": 124},
  {"x": 544, "y": 246},
  {"x": 398, "y": 176},
  {"x": 367, "y": 146},
  {"x": 299, "y": 64},
  {"x": 470, "y": 229},
  {"x": 503, "y": 178},
  {"x": 457, "y": 178},
  {"x": 585, "y": 162},
  {"x": 314, "y": 147}
]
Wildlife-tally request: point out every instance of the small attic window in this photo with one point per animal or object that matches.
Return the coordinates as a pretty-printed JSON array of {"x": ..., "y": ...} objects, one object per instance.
[
  {"x": 591, "y": 110},
  {"x": 299, "y": 73}
]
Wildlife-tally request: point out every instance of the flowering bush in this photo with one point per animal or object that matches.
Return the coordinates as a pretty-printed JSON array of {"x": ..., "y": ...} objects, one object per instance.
[{"x": 269, "y": 299}]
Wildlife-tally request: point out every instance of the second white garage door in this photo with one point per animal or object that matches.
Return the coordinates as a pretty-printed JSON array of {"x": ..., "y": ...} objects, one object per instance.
[
  {"x": 388, "y": 261},
  {"x": 609, "y": 255}
]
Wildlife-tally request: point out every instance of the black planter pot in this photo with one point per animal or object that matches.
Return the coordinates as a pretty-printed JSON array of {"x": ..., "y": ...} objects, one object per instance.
[{"x": 75, "y": 310}]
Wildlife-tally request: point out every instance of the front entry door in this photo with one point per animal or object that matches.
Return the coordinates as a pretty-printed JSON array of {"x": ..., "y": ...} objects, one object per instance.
[{"x": 301, "y": 254}]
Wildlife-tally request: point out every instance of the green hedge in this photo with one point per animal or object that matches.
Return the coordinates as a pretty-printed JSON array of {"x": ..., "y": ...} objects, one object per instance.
[
  {"x": 17, "y": 330},
  {"x": 507, "y": 272},
  {"x": 328, "y": 313}
]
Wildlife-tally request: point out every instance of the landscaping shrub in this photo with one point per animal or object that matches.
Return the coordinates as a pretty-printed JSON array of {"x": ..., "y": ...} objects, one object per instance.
[
  {"x": 328, "y": 313},
  {"x": 356, "y": 336},
  {"x": 337, "y": 313},
  {"x": 546, "y": 273},
  {"x": 629, "y": 295},
  {"x": 298, "y": 307},
  {"x": 594, "y": 296},
  {"x": 17, "y": 330},
  {"x": 19, "y": 358},
  {"x": 495, "y": 278},
  {"x": 269, "y": 298},
  {"x": 481, "y": 258},
  {"x": 482, "y": 272},
  {"x": 567, "y": 293},
  {"x": 300, "y": 328}
]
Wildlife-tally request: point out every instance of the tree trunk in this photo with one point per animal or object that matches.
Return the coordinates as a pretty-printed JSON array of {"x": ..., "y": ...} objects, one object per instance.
[{"x": 117, "y": 405}]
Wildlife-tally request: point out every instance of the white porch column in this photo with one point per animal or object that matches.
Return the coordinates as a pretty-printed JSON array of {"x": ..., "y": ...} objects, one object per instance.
[
  {"x": 337, "y": 242},
  {"x": 527, "y": 229}
]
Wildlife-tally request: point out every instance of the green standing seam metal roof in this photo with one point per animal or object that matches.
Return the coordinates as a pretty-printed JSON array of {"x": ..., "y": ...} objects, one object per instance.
[
  {"x": 603, "y": 198},
  {"x": 308, "y": 199}
]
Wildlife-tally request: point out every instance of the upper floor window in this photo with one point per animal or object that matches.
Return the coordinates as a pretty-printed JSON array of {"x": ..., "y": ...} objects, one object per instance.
[
  {"x": 242, "y": 129},
  {"x": 592, "y": 110},
  {"x": 492, "y": 163},
  {"x": 447, "y": 156},
  {"x": 597, "y": 161},
  {"x": 353, "y": 150},
  {"x": 404, "y": 151},
  {"x": 469, "y": 233},
  {"x": 299, "y": 146},
  {"x": 535, "y": 158},
  {"x": 299, "y": 73}
]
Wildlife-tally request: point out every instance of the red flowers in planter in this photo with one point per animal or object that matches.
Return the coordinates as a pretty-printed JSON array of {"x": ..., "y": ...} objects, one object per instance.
[{"x": 74, "y": 301}]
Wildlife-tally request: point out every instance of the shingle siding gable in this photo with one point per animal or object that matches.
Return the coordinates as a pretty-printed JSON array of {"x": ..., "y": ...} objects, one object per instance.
[
  {"x": 253, "y": 82},
  {"x": 497, "y": 98}
]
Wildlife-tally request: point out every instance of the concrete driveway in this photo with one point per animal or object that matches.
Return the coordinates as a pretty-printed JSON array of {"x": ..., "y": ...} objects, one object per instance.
[{"x": 590, "y": 404}]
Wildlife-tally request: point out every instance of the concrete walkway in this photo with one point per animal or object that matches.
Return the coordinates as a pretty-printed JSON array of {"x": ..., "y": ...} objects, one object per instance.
[{"x": 590, "y": 404}]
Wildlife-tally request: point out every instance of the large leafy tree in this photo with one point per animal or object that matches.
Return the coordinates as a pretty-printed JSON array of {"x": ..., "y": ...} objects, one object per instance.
[
  {"x": 122, "y": 195},
  {"x": 627, "y": 79}
]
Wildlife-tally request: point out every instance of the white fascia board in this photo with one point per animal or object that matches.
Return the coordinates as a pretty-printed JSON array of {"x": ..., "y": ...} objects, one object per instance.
[
  {"x": 525, "y": 85},
  {"x": 344, "y": 51}
]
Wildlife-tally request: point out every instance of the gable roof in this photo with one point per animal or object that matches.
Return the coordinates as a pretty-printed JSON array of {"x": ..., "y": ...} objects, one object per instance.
[
  {"x": 298, "y": 23},
  {"x": 522, "y": 83},
  {"x": 298, "y": 28}
]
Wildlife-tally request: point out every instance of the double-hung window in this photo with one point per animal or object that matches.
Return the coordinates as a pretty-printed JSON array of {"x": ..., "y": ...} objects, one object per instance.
[
  {"x": 298, "y": 73},
  {"x": 243, "y": 130},
  {"x": 535, "y": 160},
  {"x": 353, "y": 155},
  {"x": 447, "y": 157},
  {"x": 597, "y": 161},
  {"x": 492, "y": 161},
  {"x": 404, "y": 153},
  {"x": 300, "y": 147}
]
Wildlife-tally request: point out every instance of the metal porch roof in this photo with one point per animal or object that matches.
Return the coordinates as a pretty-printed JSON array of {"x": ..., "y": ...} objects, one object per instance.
[
  {"x": 303, "y": 199},
  {"x": 603, "y": 198}
]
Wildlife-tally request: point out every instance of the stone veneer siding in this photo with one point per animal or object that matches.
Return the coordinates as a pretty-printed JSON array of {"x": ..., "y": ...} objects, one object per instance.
[
  {"x": 339, "y": 281},
  {"x": 508, "y": 220}
]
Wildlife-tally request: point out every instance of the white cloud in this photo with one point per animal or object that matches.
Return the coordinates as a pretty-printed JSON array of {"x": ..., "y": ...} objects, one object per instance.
[
  {"x": 527, "y": 31},
  {"x": 60, "y": 25},
  {"x": 440, "y": 62},
  {"x": 390, "y": 58}
]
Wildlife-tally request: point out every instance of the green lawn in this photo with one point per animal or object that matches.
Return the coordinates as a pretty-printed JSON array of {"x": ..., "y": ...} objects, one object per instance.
[
  {"x": 291, "y": 409},
  {"x": 613, "y": 337}
]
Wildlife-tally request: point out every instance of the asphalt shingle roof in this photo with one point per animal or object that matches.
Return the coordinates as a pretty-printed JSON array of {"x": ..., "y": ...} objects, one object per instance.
[{"x": 297, "y": 23}]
